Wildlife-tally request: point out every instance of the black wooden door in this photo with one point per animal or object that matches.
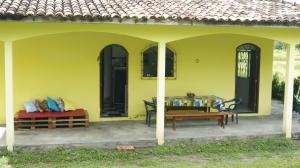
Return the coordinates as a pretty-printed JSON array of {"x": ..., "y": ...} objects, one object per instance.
[
  {"x": 120, "y": 82},
  {"x": 254, "y": 79},
  {"x": 113, "y": 81},
  {"x": 247, "y": 76}
]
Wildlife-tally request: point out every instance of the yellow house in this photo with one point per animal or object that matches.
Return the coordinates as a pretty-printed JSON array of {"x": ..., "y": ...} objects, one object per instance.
[{"x": 100, "y": 55}]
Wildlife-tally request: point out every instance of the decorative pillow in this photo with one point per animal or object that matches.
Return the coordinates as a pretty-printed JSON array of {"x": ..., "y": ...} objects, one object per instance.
[
  {"x": 60, "y": 104},
  {"x": 198, "y": 103},
  {"x": 68, "y": 106},
  {"x": 44, "y": 106},
  {"x": 37, "y": 105},
  {"x": 52, "y": 105},
  {"x": 30, "y": 107}
]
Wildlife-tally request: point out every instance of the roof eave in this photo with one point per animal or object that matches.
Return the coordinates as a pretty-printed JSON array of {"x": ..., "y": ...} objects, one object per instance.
[{"x": 186, "y": 22}]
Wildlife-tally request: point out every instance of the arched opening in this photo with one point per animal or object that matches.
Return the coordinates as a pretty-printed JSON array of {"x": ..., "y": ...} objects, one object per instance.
[
  {"x": 247, "y": 76},
  {"x": 113, "y": 65},
  {"x": 149, "y": 63}
]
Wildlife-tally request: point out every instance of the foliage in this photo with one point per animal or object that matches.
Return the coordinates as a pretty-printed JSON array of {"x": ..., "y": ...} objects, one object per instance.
[
  {"x": 298, "y": 46},
  {"x": 278, "y": 87},
  {"x": 280, "y": 45}
]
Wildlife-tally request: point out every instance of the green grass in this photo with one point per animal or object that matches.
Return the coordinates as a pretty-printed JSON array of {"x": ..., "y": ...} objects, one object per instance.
[{"x": 275, "y": 152}]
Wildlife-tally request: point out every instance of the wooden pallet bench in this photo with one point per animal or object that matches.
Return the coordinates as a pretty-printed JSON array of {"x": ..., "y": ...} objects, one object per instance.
[{"x": 70, "y": 119}]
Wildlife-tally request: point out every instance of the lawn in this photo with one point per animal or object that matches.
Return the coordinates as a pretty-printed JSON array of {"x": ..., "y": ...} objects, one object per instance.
[{"x": 274, "y": 152}]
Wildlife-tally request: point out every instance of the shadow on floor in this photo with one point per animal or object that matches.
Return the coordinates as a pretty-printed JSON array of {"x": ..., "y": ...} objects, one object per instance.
[{"x": 110, "y": 134}]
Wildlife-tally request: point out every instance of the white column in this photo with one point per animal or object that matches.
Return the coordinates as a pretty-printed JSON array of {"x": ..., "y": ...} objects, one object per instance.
[
  {"x": 9, "y": 95},
  {"x": 160, "y": 116},
  {"x": 289, "y": 90}
]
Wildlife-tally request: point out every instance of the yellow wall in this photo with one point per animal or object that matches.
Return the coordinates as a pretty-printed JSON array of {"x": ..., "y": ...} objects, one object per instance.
[
  {"x": 10, "y": 30},
  {"x": 215, "y": 72},
  {"x": 66, "y": 65}
]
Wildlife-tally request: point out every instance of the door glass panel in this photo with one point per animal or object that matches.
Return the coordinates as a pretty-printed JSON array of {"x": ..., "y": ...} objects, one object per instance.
[{"x": 243, "y": 64}]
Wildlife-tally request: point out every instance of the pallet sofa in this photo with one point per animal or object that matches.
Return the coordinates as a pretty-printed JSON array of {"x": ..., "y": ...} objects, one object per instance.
[{"x": 70, "y": 119}]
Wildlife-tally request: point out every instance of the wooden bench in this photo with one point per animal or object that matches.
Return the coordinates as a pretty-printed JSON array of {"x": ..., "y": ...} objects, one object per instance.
[
  {"x": 183, "y": 115},
  {"x": 68, "y": 119}
]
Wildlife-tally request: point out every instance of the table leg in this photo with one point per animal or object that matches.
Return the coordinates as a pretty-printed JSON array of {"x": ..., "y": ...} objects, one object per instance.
[
  {"x": 49, "y": 122},
  {"x": 165, "y": 121},
  {"x": 16, "y": 123},
  {"x": 32, "y": 125},
  {"x": 54, "y": 122},
  {"x": 222, "y": 121},
  {"x": 174, "y": 123},
  {"x": 70, "y": 124}
]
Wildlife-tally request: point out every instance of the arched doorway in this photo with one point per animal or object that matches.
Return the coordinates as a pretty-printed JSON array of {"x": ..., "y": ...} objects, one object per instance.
[
  {"x": 113, "y": 81},
  {"x": 247, "y": 76}
]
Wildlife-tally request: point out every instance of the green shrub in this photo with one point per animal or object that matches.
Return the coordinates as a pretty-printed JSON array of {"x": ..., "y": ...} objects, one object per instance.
[{"x": 278, "y": 87}]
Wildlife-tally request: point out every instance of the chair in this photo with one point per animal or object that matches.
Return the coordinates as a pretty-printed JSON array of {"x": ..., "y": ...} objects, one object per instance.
[
  {"x": 154, "y": 100},
  {"x": 150, "y": 110},
  {"x": 230, "y": 106},
  {"x": 296, "y": 104}
]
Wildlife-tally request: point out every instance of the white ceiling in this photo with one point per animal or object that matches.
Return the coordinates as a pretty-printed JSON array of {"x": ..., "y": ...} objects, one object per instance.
[{"x": 298, "y": 1}]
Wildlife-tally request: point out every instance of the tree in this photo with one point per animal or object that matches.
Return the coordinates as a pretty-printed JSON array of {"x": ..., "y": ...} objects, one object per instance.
[
  {"x": 298, "y": 46},
  {"x": 280, "y": 45}
]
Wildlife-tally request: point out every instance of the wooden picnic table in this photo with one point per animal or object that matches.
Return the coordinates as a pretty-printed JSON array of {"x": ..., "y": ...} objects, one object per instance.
[{"x": 184, "y": 115}]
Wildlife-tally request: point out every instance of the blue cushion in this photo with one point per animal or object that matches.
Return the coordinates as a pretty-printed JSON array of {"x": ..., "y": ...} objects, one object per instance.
[
  {"x": 52, "y": 104},
  {"x": 30, "y": 107}
]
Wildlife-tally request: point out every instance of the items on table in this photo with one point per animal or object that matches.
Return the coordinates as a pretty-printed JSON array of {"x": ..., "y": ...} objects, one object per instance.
[{"x": 196, "y": 101}]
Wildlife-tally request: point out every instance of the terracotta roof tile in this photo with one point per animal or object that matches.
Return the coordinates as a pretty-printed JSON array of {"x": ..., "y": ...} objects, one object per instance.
[{"x": 231, "y": 11}]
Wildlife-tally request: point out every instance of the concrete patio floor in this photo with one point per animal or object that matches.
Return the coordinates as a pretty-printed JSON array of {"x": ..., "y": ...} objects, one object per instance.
[{"x": 110, "y": 134}]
